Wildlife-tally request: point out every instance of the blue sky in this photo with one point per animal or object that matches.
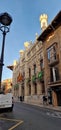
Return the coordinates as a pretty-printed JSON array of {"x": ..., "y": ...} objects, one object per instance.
[{"x": 25, "y": 15}]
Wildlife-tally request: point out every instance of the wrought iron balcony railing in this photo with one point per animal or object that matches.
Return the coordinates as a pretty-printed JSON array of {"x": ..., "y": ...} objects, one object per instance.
[{"x": 53, "y": 60}]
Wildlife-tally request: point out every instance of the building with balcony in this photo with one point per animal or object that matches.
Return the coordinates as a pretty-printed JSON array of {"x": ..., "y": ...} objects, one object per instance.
[
  {"x": 37, "y": 73},
  {"x": 51, "y": 38}
]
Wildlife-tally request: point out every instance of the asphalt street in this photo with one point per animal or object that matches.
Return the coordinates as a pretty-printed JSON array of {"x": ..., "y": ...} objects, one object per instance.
[{"x": 29, "y": 117}]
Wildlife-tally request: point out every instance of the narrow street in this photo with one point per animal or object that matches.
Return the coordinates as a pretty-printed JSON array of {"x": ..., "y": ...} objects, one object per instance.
[{"x": 29, "y": 117}]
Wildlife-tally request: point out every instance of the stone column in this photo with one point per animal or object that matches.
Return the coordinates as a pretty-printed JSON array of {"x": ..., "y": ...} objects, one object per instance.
[
  {"x": 32, "y": 89},
  {"x": 54, "y": 77},
  {"x": 20, "y": 90},
  {"x": 26, "y": 93},
  {"x": 39, "y": 88}
]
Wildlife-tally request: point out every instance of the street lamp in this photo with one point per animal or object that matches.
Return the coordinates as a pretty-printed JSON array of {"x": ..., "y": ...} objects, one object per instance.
[{"x": 5, "y": 21}]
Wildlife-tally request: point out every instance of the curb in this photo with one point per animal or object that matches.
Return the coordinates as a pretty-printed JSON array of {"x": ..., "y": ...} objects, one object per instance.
[
  {"x": 43, "y": 106},
  {"x": 46, "y": 107}
]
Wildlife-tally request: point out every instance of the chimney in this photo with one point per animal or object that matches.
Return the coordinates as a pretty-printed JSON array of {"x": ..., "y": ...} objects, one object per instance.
[{"x": 43, "y": 21}]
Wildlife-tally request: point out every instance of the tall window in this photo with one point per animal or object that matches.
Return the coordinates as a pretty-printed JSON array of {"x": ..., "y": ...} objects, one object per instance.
[
  {"x": 41, "y": 64},
  {"x": 35, "y": 88},
  {"x": 29, "y": 89},
  {"x": 29, "y": 72},
  {"x": 43, "y": 88},
  {"x": 34, "y": 68},
  {"x": 54, "y": 73},
  {"x": 51, "y": 52}
]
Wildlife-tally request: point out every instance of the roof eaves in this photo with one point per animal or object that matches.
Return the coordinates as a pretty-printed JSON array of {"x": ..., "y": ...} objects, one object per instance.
[{"x": 56, "y": 22}]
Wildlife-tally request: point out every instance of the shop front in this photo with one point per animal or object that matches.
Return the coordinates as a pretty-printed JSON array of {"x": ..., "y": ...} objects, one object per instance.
[{"x": 54, "y": 95}]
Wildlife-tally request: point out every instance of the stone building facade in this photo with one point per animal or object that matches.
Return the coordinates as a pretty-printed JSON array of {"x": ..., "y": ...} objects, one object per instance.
[
  {"x": 28, "y": 74},
  {"x": 51, "y": 39},
  {"x": 38, "y": 70}
]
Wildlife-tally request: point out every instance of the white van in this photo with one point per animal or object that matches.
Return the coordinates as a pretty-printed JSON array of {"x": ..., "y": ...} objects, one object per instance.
[{"x": 6, "y": 101}]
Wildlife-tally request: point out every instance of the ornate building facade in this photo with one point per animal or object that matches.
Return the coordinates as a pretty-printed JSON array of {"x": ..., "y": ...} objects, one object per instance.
[
  {"x": 38, "y": 70},
  {"x": 51, "y": 39},
  {"x": 28, "y": 73}
]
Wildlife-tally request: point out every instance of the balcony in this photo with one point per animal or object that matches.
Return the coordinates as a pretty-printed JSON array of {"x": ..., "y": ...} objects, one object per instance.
[
  {"x": 54, "y": 60},
  {"x": 52, "y": 83}
]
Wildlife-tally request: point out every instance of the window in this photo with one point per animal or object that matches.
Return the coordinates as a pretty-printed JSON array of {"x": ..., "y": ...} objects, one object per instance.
[
  {"x": 43, "y": 88},
  {"x": 41, "y": 64},
  {"x": 48, "y": 53},
  {"x": 54, "y": 73},
  {"x": 35, "y": 88},
  {"x": 51, "y": 52},
  {"x": 29, "y": 89},
  {"x": 35, "y": 69},
  {"x": 29, "y": 73}
]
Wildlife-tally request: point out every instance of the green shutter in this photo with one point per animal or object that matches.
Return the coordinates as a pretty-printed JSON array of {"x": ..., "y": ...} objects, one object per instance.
[
  {"x": 33, "y": 78},
  {"x": 40, "y": 75}
]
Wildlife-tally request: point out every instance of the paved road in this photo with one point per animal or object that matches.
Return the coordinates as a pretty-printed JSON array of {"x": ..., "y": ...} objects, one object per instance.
[{"x": 29, "y": 117}]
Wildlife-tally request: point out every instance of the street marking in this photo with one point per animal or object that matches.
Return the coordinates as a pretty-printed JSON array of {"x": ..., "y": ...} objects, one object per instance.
[
  {"x": 9, "y": 119},
  {"x": 16, "y": 125},
  {"x": 55, "y": 114}
]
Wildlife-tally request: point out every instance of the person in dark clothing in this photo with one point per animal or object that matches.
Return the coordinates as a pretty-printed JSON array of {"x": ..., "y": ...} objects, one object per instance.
[{"x": 44, "y": 100}]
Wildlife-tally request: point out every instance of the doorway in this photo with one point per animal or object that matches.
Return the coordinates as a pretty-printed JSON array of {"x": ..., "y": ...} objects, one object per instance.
[{"x": 59, "y": 97}]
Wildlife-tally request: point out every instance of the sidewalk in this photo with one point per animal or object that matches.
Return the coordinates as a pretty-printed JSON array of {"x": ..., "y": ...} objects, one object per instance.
[{"x": 57, "y": 108}]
